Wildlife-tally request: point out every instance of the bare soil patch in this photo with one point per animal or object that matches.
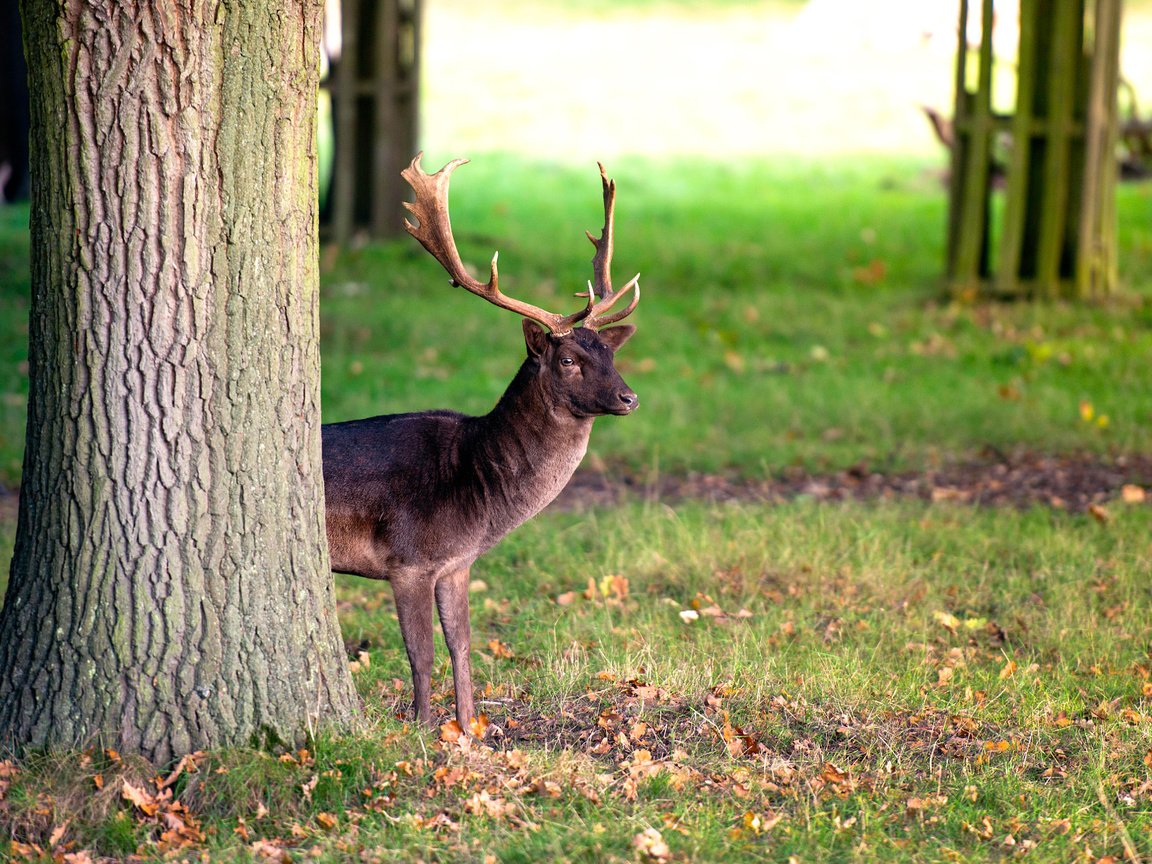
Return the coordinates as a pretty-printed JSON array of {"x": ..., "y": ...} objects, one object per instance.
[{"x": 1075, "y": 483}]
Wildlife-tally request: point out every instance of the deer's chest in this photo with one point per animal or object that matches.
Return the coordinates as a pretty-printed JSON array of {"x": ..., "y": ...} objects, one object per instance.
[{"x": 532, "y": 489}]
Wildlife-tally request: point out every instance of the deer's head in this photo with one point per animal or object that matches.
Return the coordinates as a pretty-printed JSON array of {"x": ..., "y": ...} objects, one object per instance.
[
  {"x": 574, "y": 354},
  {"x": 577, "y": 370}
]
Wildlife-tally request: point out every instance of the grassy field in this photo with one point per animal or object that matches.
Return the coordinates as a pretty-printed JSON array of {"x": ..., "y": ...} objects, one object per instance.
[{"x": 673, "y": 681}]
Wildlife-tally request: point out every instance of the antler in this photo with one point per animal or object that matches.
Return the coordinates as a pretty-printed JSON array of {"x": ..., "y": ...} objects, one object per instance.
[
  {"x": 435, "y": 234},
  {"x": 602, "y": 268}
]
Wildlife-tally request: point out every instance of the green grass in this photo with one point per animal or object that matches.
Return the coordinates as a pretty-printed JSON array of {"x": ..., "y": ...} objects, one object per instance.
[{"x": 903, "y": 683}]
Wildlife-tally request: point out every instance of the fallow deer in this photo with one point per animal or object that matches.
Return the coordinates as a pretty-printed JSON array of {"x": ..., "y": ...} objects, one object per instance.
[{"x": 417, "y": 498}]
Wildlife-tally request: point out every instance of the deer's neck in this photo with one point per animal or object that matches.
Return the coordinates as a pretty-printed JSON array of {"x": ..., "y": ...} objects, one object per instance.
[{"x": 527, "y": 448}]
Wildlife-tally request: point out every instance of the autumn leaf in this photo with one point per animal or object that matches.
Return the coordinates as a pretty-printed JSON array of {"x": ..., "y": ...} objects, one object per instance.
[
  {"x": 308, "y": 786},
  {"x": 140, "y": 799},
  {"x": 478, "y": 726},
  {"x": 500, "y": 649},
  {"x": 871, "y": 273},
  {"x": 58, "y": 834},
  {"x": 651, "y": 846},
  {"x": 947, "y": 620},
  {"x": 613, "y": 587},
  {"x": 1132, "y": 494},
  {"x": 451, "y": 732},
  {"x": 1100, "y": 514},
  {"x": 269, "y": 852},
  {"x": 327, "y": 821}
]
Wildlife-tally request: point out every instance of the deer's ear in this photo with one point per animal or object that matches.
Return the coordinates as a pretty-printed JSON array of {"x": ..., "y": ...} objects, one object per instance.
[
  {"x": 614, "y": 337},
  {"x": 535, "y": 338}
]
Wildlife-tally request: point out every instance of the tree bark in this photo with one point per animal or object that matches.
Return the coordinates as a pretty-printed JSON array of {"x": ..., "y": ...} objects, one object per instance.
[{"x": 170, "y": 588}]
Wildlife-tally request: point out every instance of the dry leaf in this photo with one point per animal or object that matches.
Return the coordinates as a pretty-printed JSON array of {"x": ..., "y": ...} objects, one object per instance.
[
  {"x": 307, "y": 788},
  {"x": 451, "y": 732},
  {"x": 567, "y": 598},
  {"x": 651, "y": 846},
  {"x": 1099, "y": 513},
  {"x": 57, "y": 834},
  {"x": 268, "y": 852},
  {"x": 1132, "y": 494},
  {"x": 500, "y": 649},
  {"x": 143, "y": 802},
  {"x": 327, "y": 821},
  {"x": 947, "y": 620},
  {"x": 478, "y": 726}
]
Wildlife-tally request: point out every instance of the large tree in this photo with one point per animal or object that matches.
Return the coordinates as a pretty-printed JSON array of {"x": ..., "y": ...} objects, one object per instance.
[{"x": 170, "y": 587}]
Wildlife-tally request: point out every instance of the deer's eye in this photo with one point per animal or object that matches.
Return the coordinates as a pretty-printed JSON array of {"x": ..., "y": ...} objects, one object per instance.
[{"x": 567, "y": 361}]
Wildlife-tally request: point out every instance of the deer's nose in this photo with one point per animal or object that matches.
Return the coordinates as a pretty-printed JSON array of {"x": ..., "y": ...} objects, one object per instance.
[{"x": 630, "y": 400}]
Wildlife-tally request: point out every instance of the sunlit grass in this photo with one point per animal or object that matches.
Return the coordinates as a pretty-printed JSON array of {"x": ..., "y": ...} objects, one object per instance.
[{"x": 902, "y": 682}]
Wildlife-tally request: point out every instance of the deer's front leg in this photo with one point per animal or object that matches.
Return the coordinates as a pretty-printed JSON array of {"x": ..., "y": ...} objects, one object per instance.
[
  {"x": 452, "y": 603},
  {"x": 413, "y": 595}
]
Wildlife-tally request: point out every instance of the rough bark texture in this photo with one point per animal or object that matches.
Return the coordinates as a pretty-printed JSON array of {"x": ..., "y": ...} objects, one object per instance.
[{"x": 170, "y": 587}]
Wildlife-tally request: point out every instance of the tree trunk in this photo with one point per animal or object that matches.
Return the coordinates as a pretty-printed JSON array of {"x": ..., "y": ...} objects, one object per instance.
[{"x": 170, "y": 588}]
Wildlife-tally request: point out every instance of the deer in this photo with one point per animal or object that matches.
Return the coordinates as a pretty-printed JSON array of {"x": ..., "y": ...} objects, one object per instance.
[{"x": 416, "y": 498}]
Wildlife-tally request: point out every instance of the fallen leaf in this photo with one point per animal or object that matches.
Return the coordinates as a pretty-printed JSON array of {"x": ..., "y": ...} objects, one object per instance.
[
  {"x": 451, "y": 732},
  {"x": 268, "y": 852},
  {"x": 947, "y": 620},
  {"x": 58, "y": 834},
  {"x": 307, "y": 787},
  {"x": 651, "y": 846},
  {"x": 500, "y": 649},
  {"x": 567, "y": 598},
  {"x": 478, "y": 726},
  {"x": 689, "y": 615},
  {"x": 1099, "y": 513},
  {"x": 327, "y": 821},
  {"x": 1132, "y": 494},
  {"x": 870, "y": 274},
  {"x": 140, "y": 799},
  {"x": 614, "y": 586}
]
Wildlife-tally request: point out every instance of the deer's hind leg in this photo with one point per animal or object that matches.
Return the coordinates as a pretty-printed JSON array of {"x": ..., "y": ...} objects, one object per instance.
[{"x": 452, "y": 603}]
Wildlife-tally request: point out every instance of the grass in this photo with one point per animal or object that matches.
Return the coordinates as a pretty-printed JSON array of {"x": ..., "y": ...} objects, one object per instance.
[
  {"x": 904, "y": 683},
  {"x": 892, "y": 681}
]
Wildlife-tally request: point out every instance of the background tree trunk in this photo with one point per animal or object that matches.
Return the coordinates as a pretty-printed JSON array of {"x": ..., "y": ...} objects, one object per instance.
[{"x": 170, "y": 587}]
